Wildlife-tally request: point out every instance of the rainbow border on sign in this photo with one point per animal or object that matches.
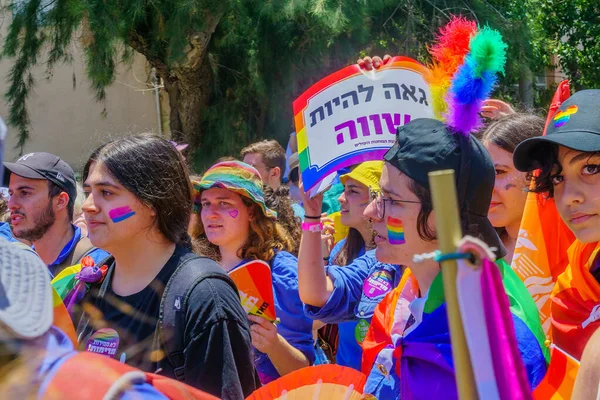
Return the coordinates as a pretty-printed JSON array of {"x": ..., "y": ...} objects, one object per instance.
[{"x": 301, "y": 103}]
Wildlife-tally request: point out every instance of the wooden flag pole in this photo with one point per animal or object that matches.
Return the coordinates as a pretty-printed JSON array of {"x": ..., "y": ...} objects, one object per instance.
[{"x": 449, "y": 233}]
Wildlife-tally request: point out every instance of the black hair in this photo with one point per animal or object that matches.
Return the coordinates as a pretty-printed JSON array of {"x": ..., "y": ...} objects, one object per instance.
[
  {"x": 352, "y": 247},
  {"x": 509, "y": 131},
  {"x": 54, "y": 190},
  {"x": 547, "y": 157},
  {"x": 295, "y": 175},
  {"x": 426, "y": 232},
  {"x": 154, "y": 171}
]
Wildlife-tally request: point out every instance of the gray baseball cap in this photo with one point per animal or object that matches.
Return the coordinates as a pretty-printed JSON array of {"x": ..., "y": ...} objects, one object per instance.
[{"x": 47, "y": 166}]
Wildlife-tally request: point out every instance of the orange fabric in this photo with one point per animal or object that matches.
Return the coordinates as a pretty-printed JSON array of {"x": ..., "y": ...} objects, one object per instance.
[
  {"x": 89, "y": 376},
  {"x": 576, "y": 301},
  {"x": 541, "y": 250},
  {"x": 560, "y": 378},
  {"x": 327, "y": 381},
  {"x": 62, "y": 319},
  {"x": 380, "y": 331}
]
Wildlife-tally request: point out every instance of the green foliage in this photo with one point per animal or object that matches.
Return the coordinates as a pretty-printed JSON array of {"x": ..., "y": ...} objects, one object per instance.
[
  {"x": 263, "y": 54},
  {"x": 267, "y": 56},
  {"x": 159, "y": 29},
  {"x": 573, "y": 28}
]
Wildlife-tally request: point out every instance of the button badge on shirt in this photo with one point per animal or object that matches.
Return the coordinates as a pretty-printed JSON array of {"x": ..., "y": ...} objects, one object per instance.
[
  {"x": 104, "y": 341},
  {"x": 377, "y": 284},
  {"x": 360, "y": 331}
]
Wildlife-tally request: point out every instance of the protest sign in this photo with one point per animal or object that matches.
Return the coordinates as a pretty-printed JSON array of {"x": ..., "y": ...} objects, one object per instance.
[{"x": 351, "y": 116}]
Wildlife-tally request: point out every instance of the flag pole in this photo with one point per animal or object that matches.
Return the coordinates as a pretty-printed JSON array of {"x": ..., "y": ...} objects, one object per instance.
[{"x": 449, "y": 233}]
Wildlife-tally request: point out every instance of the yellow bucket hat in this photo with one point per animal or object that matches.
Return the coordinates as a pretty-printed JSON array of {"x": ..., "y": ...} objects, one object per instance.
[{"x": 367, "y": 173}]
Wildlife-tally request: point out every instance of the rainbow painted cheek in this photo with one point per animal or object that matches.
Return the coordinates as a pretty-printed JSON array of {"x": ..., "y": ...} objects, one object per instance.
[
  {"x": 395, "y": 230},
  {"x": 121, "y": 214}
]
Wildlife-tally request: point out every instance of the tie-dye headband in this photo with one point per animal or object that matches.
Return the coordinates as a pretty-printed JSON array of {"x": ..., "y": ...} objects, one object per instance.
[{"x": 239, "y": 178}]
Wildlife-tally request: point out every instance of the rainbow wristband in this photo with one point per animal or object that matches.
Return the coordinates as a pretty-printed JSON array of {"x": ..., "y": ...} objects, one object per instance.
[{"x": 312, "y": 226}]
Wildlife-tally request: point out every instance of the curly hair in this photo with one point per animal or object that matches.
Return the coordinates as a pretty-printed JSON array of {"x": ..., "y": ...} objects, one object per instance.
[
  {"x": 3, "y": 208},
  {"x": 265, "y": 238},
  {"x": 280, "y": 201}
]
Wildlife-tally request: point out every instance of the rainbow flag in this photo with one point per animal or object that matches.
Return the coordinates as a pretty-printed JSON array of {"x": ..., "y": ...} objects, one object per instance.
[
  {"x": 62, "y": 319},
  {"x": 560, "y": 379},
  {"x": 490, "y": 333},
  {"x": 416, "y": 356},
  {"x": 575, "y": 300},
  {"x": 541, "y": 249},
  {"x": 73, "y": 282}
]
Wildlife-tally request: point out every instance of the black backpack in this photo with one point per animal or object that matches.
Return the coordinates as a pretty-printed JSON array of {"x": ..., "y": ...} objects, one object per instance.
[{"x": 173, "y": 306}]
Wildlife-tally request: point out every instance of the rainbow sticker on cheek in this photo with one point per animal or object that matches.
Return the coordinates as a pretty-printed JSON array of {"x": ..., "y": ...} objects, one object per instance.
[
  {"x": 395, "y": 231},
  {"x": 120, "y": 214}
]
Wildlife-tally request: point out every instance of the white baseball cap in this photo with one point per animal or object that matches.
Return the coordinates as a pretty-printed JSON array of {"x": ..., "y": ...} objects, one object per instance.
[{"x": 26, "y": 305}]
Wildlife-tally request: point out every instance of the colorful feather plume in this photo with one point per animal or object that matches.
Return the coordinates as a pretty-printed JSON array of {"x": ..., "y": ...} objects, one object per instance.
[
  {"x": 474, "y": 80},
  {"x": 448, "y": 53}
]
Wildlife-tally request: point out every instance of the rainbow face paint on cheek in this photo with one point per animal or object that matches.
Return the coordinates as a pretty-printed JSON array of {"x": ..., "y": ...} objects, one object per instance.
[
  {"x": 395, "y": 230},
  {"x": 233, "y": 213},
  {"x": 120, "y": 214}
]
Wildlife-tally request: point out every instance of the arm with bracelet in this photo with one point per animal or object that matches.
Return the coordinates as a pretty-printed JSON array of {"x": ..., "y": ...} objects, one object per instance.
[{"x": 315, "y": 287}]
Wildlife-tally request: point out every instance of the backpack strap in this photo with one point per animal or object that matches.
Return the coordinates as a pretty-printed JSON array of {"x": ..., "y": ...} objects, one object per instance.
[
  {"x": 83, "y": 248},
  {"x": 190, "y": 271}
]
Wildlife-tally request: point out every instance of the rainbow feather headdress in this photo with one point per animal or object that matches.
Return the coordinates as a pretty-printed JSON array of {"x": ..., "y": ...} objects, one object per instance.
[{"x": 466, "y": 61}]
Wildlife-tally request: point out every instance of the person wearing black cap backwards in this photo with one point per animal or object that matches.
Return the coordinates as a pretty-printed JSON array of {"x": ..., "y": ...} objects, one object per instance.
[
  {"x": 42, "y": 191},
  {"x": 423, "y": 146},
  {"x": 568, "y": 159}
]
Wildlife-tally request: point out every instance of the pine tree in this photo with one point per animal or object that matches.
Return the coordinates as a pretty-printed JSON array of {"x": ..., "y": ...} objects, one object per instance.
[
  {"x": 232, "y": 68},
  {"x": 184, "y": 40}
]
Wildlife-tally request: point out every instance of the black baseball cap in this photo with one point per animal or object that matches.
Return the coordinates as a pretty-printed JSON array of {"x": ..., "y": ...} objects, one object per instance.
[
  {"x": 425, "y": 145},
  {"x": 576, "y": 125},
  {"x": 46, "y": 166}
]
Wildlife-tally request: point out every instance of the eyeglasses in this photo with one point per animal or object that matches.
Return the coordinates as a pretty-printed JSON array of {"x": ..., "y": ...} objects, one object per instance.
[{"x": 377, "y": 196}]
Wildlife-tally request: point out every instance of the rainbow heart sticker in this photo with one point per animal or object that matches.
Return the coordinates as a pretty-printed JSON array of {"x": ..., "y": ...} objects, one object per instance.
[{"x": 562, "y": 117}]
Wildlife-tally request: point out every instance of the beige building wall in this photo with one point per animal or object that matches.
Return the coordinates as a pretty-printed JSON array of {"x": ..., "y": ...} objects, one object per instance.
[{"x": 68, "y": 122}]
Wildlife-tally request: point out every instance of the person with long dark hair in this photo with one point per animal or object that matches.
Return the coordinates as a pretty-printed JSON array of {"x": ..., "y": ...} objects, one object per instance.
[{"x": 138, "y": 210}]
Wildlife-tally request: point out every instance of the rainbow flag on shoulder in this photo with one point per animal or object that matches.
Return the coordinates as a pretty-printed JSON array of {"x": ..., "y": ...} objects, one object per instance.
[{"x": 415, "y": 352}]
